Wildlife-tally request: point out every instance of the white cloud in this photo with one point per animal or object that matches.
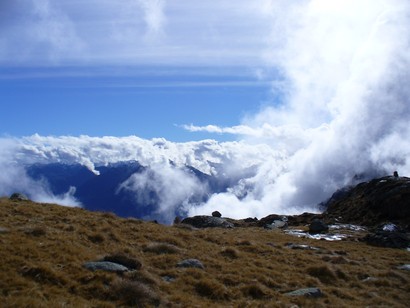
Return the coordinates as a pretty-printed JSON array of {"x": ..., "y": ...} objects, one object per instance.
[
  {"x": 346, "y": 69},
  {"x": 174, "y": 187},
  {"x": 153, "y": 15},
  {"x": 13, "y": 178}
]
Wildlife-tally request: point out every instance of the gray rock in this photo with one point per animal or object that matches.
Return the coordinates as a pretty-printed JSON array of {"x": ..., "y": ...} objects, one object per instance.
[
  {"x": 189, "y": 263},
  {"x": 207, "y": 222},
  {"x": 388, "y": 239},
  {"x": 405, "y": 267},
  {"x": 168, "y": 278},
  {"x": 4, "y": 230},
  {"x": 301, "y": 246},
  {"x": 318, "y": 226},
  {"x": 18, "y": 197},
  {"x": 309, "y": 292},
  {"x": 389, "y": 227},
  {"x": 278, "y": 224},
  {"x": 105, "y": 266}
]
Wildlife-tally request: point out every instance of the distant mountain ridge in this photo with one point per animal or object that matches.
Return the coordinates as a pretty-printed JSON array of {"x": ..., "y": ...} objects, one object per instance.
[{"x": 102, "y": 192}]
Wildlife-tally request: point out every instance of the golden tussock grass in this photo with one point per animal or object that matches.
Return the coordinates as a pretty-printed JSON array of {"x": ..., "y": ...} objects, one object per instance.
[{"x": 44, "y": 248}]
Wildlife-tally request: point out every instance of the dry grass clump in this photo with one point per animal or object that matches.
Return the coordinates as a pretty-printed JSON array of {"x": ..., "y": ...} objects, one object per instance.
[
  {"x": 134, "y": 293},
  {"x": 323, "y": 273},
  {"x": 36, "y": 231},
  {"x": 43, "y": 274},
  {"x": 161, "y": 248},
  {"x": 212, "y": 289},
  {"x": 255, "y": 291},
  {"x": 143, "y": 277},
  {"x": 230, "y": 253},
  {"x": 124, "y": 259},
  {"x": 96, "y": 238}
]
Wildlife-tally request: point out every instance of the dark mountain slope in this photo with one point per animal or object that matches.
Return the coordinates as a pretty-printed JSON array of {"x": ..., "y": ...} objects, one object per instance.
[{"x": 380, "y": 200}]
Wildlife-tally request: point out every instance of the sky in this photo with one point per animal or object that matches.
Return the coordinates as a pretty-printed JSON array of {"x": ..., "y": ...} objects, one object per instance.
[
  {"x": 138, "y": 67},
  {"x": 310, "y": 94}
]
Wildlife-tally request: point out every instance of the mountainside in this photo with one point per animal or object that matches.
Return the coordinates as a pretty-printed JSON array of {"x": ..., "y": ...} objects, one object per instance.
[
  {"x": 51, "y": 258},
  {"x": 378, "y": 201}
]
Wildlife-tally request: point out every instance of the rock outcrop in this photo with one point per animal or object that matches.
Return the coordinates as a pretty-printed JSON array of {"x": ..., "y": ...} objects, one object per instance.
[
  {"x": 105, "y": 266},
  {"x": 372, "y": 203},
  {"x": 207, "y": 222},
  {"x": 18, "y": 197},
  {"x": 308, "y": 292},
  {"x": 191, "y": 263}
]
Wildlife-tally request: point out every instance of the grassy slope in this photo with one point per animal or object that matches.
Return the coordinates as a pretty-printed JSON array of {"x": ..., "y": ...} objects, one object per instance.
[{"x": 43, "y": 248}]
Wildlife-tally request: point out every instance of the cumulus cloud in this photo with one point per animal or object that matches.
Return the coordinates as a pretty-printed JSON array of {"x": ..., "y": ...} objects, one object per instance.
[
  {"x": 177, "y": 190},
  {"x": 14, "y": 178}
]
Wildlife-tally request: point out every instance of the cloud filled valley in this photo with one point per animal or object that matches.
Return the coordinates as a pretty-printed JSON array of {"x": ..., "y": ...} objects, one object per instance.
[{"x": 341, "y": 115}]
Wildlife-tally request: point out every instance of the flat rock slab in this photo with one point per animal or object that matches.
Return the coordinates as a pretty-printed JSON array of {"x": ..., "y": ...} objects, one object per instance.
[
  {"x": 105, "y": 266},
  {"x": 405, "y": 267},
  {"x": 309, "y": 292},
  {"x": 301, "y": 246},
  {"x": 191, "y": 263}
]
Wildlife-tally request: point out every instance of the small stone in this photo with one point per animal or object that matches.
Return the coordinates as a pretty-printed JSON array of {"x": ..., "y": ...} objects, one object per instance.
[
  {"x": 405, "y": 267},
  {"x": 4, "y": 230},
  {"x": 389, "y": 227},
  {"x": 105, "y": 266},
  {"x": 191, "y": 263},
  {"x": 309, "y": 292},
  {"x": 18, "y": 197},
  {"x": 216, "y": 214},
  {"x": 168, "y": 278},
  {"x": 301, "y": 247}
]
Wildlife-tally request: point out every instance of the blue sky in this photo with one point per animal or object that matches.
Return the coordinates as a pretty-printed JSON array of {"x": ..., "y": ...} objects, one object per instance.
[
  {"x": 138, "y": 67},
  {"x": 146, "y": 106}
]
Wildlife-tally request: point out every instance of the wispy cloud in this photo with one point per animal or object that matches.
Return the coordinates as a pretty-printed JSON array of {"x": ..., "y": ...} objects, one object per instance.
[
  {"x": 154, "y": 16},
  {"x": 132, "y": 32}
]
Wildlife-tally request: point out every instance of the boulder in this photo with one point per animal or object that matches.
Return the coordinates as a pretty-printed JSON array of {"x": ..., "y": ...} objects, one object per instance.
[
  {"x": 216, "y": 214},
  {"x": 207, "y": 222},
  {"x": 309, "y": 292},
  {"x": 390, "y": 239},
  {"x": 105, "y": 266},
  {"x": 18, "y": 197},
  {"x": 318, "y": 226},
  {"x": 191, "y": 263}
]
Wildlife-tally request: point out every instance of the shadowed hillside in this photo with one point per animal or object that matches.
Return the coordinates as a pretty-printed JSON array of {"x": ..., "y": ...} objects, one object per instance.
[{"x": 45, "y": 248}]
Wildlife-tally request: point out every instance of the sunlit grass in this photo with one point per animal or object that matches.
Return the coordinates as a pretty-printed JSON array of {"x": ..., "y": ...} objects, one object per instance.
[{"x": 45, "y": 247}]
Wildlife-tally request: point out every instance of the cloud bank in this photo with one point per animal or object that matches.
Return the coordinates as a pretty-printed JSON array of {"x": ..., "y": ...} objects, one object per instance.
[
  {"x": 345, "y": 67},
  {"x": 341, "y": 100}
]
